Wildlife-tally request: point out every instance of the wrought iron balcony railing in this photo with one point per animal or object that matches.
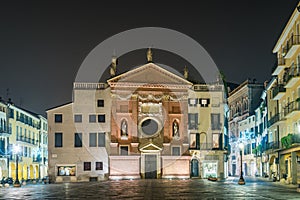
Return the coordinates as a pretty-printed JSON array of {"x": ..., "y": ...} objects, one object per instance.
[
  {"x": 278, "y": 89},
  {"x": 291, "y": 107},
  {"x": 294, "y": 40}
]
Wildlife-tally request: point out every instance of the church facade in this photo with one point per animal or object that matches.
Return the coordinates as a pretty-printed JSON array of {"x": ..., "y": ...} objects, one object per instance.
[{"x": 144, "y": 123}]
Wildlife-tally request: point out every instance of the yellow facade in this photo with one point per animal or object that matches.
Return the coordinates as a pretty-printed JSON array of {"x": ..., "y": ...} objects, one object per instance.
[
  {"x": 284, "y": 101},
  {"x": 25, "y": 133}
]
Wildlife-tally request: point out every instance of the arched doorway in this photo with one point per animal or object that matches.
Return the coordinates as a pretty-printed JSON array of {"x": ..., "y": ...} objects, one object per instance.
[
  {"x": 31, "y": 175},
  {"x": 13, "y": 170},
  {"x": 25, "y": 172},
  {"x": 194, "y": 168},
  {"x": 36, "y": 172},
  {"x": 3, "y": 169},
  {"x": 19, "y": 171}
]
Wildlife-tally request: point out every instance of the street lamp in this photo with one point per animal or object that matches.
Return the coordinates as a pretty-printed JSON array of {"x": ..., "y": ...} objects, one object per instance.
[
  {"x": 241, "y": 180},
  {"x": 16, "y": 150}
]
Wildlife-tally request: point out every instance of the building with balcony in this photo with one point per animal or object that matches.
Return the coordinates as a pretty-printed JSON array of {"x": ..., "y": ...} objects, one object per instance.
[
  {"x": 27, "y": 134},
  {"x": 283, "y": 95},
  {"x": 145, "y": 123},
  {"x": 20, "y": 127},
  {"x": 4, "y": 140},
  {"x": 242, "y": 102}
]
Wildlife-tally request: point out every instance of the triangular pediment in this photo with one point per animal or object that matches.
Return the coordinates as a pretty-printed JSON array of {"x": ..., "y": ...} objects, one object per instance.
[
  {"x": 149, "y": 73},
  {"x": 150, "y": 148}
]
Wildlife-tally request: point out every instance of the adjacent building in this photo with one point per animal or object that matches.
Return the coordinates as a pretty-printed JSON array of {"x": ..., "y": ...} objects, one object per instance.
[
  {"x": 28, "y": 131},
  {"x": 145, "y": 123},
  {"x": 283, "y": 96},
  {"x": 242, "y": 102},
  {"x": 207, "y": 130},
  {"x": 5, "y": 132},
  {"x": 261, "y": 137}
]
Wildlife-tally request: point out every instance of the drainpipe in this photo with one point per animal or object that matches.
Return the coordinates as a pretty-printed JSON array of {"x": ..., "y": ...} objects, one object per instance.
[{"x": 278, "y": 144}]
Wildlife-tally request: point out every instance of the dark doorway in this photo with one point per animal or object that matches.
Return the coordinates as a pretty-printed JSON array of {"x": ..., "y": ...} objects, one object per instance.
[
  {"x": 245, "y": 170},
  {"x": 150, "y": 166},
  {"x": 233, "y": 169},
  {"x": 194, "y": 168}
]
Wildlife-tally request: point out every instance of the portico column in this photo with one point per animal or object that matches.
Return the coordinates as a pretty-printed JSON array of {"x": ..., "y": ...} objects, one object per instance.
[{"x": 294, "y": 167}]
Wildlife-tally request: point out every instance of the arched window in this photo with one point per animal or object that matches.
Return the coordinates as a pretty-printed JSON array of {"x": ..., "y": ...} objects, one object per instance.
[
  {"x": 239, "y": 108},
  {"x": 246, "y": 104},
  {"x": 203, "y": 141},
  {"x": 124, "y": 128},
  {"x": 176, "y": 129}
]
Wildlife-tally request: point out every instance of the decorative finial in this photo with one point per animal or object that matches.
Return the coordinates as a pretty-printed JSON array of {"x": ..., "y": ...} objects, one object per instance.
[
  {"x": 186, "y": 72},
  {"x": 149, "y": 55},
  {"x": 113, "y": 68}
]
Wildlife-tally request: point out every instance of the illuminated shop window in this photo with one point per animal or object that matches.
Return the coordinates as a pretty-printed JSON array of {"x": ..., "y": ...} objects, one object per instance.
[{"x": 66, "y": 170}]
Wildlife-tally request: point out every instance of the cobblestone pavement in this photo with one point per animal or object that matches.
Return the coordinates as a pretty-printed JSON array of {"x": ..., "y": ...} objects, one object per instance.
[{"x": 155, "y": 189}]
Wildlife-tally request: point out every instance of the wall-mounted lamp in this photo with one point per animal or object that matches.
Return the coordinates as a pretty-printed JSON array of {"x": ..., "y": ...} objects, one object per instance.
[{"x": 298, "y": 158}]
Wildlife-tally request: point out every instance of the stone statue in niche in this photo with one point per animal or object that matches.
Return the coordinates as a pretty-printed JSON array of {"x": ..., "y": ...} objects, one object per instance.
[
  {"x": 176, "y": 130},
  {"x": 124, "y": 128}
]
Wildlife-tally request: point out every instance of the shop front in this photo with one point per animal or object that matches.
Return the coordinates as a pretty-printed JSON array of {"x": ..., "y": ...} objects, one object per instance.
[{"x": 210, "y": 168}]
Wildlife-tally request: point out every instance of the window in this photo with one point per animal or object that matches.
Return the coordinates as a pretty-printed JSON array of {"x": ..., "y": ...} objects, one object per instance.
[
  {"x": 78, "y": 118},
  {"x": 25, "y": 152},
  {"x": 247, "y": 149},
  {"x": 124, "y": 150},
  {"x": 124, "y": 108},
  {"x": 175, "y": 109},
  {"x": 58, "y": 139},
  {"x": 193, "y": 120},
  {"x": 215, "y": 102},
  {"x": 92, "y": 118},
  {"x": 215, "y": 140},
  {"x": 58, "y": 118},
  {"x": 215, "y": 121},
  {"x": 192, "y": 102},
  {"x": 194, "y": 141},
  {"x": 176, "y": 151},
  {"x": 99, "y": 165},
  {"x": 93, "y": 139},
  {"x": 87, "y": 166},
  {"x": 78, "y": 140},
  {"x": 66, "y": 170},
  {"x": 101, "y": 118},
  {"x": 100, "y": 103},
  {"x": 17, "y": 130},
  {"x": 204, "y": 102},
  {"x": 101, "y": 139}
]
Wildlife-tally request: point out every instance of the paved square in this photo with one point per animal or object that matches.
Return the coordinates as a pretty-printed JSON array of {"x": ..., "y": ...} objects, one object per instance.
[{"x": 155, "y": 189}]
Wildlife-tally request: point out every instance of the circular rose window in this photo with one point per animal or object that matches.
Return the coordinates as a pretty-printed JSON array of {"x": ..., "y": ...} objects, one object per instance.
[{"x": 149, "y": 127}]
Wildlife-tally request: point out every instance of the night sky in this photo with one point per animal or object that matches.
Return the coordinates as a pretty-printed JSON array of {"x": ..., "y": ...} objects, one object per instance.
[{"x": 43, "y": 43}]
